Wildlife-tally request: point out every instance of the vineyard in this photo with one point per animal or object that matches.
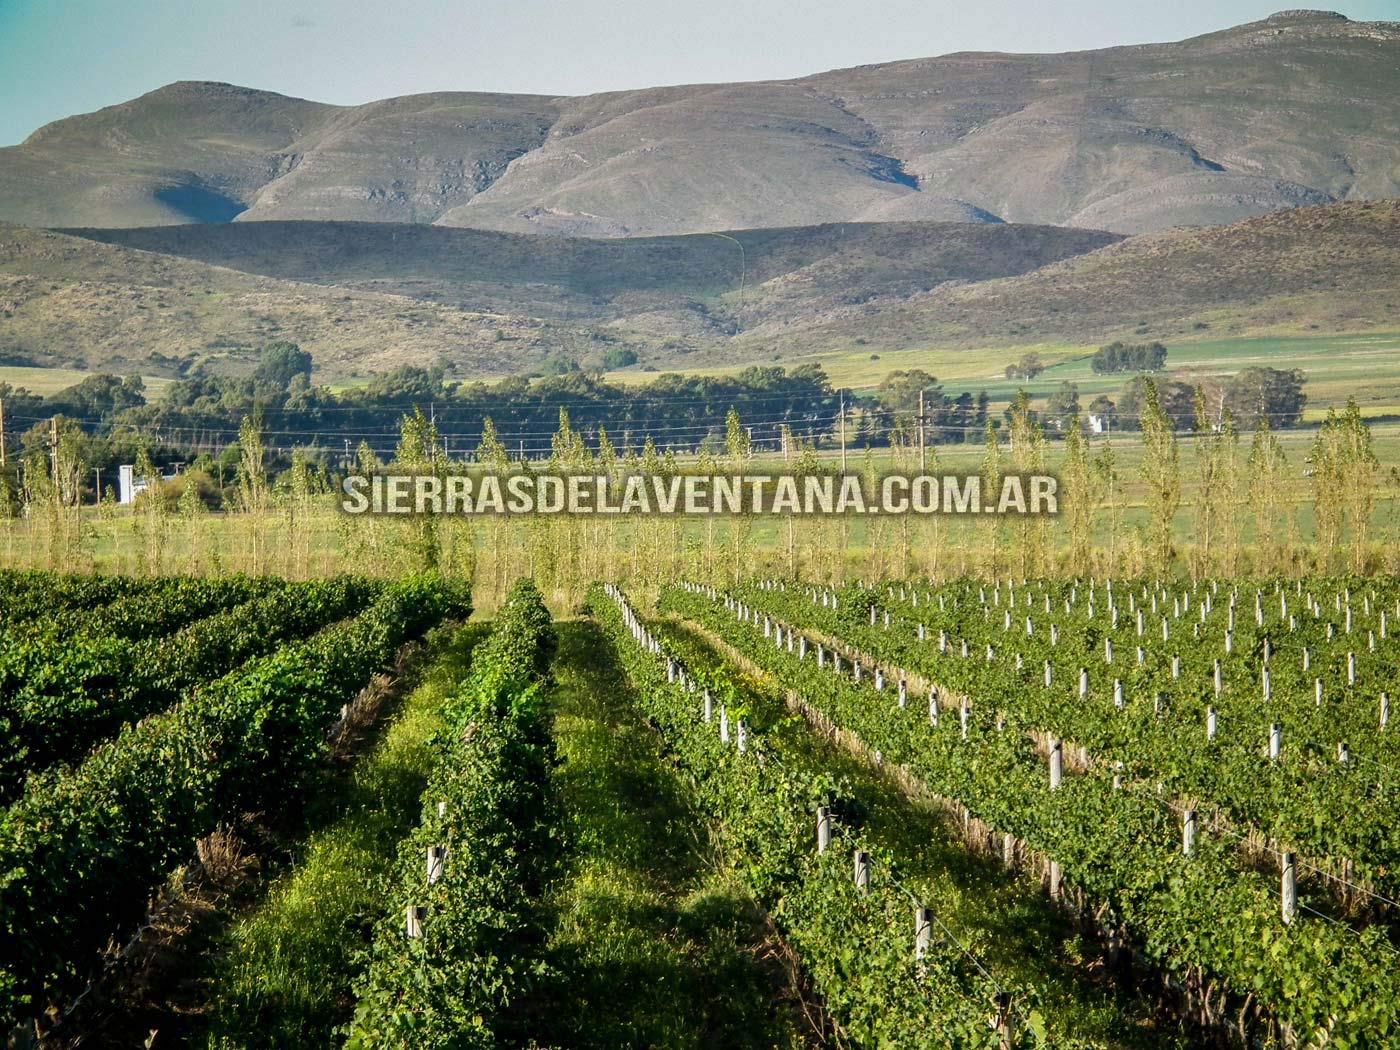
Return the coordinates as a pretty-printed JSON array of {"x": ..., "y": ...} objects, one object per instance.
[{"x": 997, "y": 813}]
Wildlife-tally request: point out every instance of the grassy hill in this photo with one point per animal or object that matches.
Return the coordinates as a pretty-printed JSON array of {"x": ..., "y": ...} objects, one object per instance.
[
  {"x": 364, "y": 297},
  {"x": 960, "y": 299},
  {"x": 1334, "y": 268},
  {"x": 1295, "y": 109},
  {"x": 704, "y": 286},
  {"x": 72, "y": 303}
]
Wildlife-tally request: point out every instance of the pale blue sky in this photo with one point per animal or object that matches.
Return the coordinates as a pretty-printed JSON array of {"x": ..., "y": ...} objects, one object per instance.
[{"x": 59, "y": 57}]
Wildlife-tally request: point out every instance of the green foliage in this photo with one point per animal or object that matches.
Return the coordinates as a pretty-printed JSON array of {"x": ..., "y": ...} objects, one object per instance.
[
  {"x": 286, "y": 971},
  {"x": 280, "y": 363},
  {"x": 479, "y": 948},
  {"x": 858, "y": 950},
  {"x": 1273, "y": 394},
  {"x": 1027, "y": 366},
  {"x": 1128, "y": 357},
  {"x": 83, "y": 848},
  {"x": 1122, "y": 847},
  {"x": 619, "y": 357}
]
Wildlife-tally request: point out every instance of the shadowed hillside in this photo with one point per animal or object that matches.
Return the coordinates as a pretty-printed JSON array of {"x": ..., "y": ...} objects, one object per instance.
[{"x": 364, "y": 297}]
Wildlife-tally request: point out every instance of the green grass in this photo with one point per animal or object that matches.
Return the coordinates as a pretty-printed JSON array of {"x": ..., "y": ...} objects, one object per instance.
[
  {"x": 652, "y": 945},
  {"x": 1015, "y": 929},
  {"x": 285, "y": 973},
  {"x": 47, "y": 381}
]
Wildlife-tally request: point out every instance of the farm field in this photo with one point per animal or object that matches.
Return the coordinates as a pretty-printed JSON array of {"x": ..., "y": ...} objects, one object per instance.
[
  {"x": 978, "y": 813},
  {"x": 1338, "y": 365},
  {"x": 304, "y": 535}
]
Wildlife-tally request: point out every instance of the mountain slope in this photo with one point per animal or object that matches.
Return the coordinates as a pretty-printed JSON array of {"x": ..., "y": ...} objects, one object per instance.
[
  {"x": 1330, "y": 268},
  {"x": 1296, "y": 109},
  {"x": 367, "y": 296},
  {"x": 765, "y": 275}
]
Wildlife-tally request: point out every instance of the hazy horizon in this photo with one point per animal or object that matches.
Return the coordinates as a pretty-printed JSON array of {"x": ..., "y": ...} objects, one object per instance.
[{"x": 76, "y": 56}]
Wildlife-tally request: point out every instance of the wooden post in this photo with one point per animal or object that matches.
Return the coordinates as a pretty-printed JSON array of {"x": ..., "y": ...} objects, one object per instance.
[
  {"x": 923, "y": 455},
  {"x": 923, "y": 930},
  {"x": 2, "y": 431},
  {"x": 1056, "y": 880},
  {"x": 1004, "y": 1025},
  {"x": 723, "y": 725},
  {"x": 1188, "y": 832},
  {"x": 862, "y": 872},
  {"x": 1344, "y": 754},
  {"x": 962, "y": 717},
  {"x": 1008, "y": 851},
  {"x": 437, "y": 860},
  {"x": 1210, "y": 723},
  {"x": 1275, "y": 740},
  {"x": 823, "y": 829},
  {"x": 1385, "y": 709},
  {"x": 414, "y": 915},
  {"x": 843, "y": 433},
  {"x": 933, "y": 706},
  {"x": 1289, "y": 889},
  {"x": 708, "y": 712},
  {"x": 742, "y": 737},
  {"x": 441, "y": 809},
  {"x": 1056, "y": 765},
  {"x": 1118, "y": 692}
]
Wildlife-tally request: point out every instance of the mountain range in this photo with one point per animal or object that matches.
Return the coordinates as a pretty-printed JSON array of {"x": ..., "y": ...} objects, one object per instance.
[
  {"x": 1236, "y": 183},
  {"x": 1296, "y": 109}
]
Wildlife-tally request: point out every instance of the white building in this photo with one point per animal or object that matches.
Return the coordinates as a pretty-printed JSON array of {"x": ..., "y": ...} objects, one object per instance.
[{"x": 129, "y": 486}]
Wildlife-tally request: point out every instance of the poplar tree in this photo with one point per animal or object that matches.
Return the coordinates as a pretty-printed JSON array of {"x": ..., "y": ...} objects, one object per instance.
[{"x": 1161, "y": 475}]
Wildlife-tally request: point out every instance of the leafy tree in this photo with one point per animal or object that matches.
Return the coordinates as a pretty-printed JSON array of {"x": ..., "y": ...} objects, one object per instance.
[
  {"x": 1063, "y": 404},
  {"x": 407, "y": 385},
  {"x": 1027, "y": 366},
  {"x": 560, "y": 365},
  {"x": 619, "y": 357},
  {"x": 1175, "y": 399},
  {"x": 279, "y": 363},
  {"x": 1345, "y": 470},
  {"x": 1272, "y": 393},
  {"x": 1128, "y": 357},
  {"x": 1079, "y": 496},
  {"x": 1161, "y": 474}
]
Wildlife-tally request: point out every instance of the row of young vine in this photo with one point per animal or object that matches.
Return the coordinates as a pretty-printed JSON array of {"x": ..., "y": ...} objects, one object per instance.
[
  {"x": 1205, "y": 917},
  {"x": 888, "y": 972},
  {"x": 461, "y": 942},
  {"x": 1194, "y": 713},
  {"x": 82, "y": 849},
  {"x": 61, "y": 691}
]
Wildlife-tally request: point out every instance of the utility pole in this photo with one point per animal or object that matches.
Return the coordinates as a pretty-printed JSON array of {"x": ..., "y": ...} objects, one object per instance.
[
  {"x": 53, "y": 456},
  {"x": 98, "y": 490},
  {"x": 923, "y": 460},
  {"x": 843, "y": 433}
]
